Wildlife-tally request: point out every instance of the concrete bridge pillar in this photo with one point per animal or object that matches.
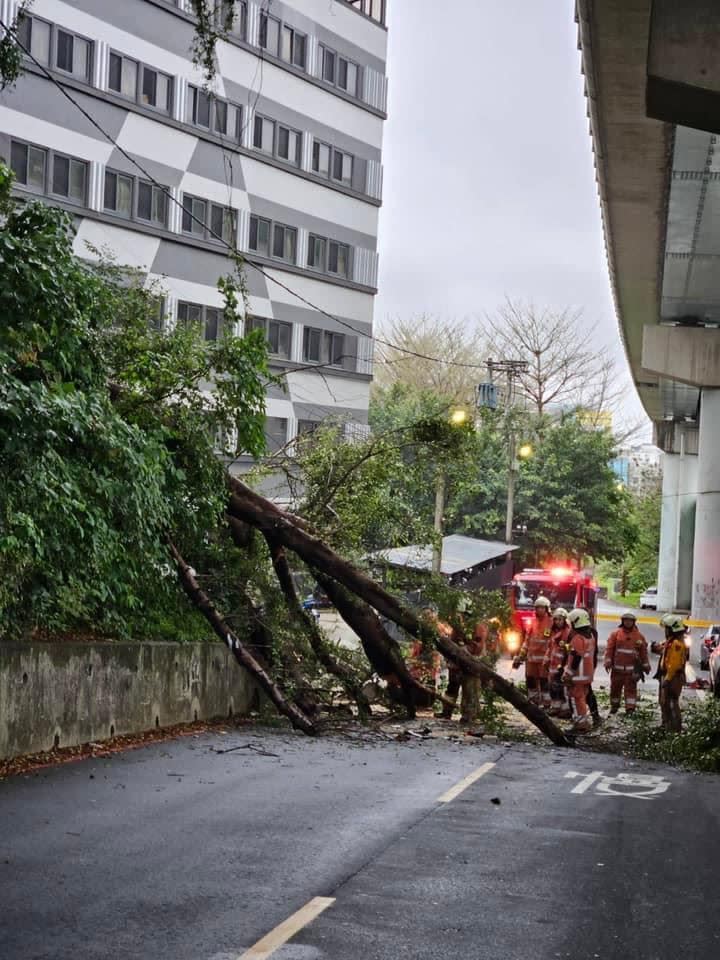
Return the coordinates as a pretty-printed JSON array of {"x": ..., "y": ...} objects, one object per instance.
[
  {"x": 677, "y": 531},
  {"x": 706, "y": 569}
]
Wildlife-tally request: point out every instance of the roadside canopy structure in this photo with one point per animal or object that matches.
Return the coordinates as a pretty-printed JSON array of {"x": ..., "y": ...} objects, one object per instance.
[
  {"x": 652, "y": 82},
  {"x": 465, "y": 561}
]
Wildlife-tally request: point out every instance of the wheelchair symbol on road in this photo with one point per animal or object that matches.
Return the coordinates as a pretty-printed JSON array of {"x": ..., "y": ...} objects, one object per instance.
[{"x": 638, "y": 786}]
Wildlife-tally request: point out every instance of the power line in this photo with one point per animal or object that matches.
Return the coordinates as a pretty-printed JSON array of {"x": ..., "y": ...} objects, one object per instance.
[{"x": 11, "y": 31}]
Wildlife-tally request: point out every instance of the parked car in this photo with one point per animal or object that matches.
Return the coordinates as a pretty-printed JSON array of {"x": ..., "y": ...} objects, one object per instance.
[
  {"x": 648, "y": 600},
  {"x": 709, "y": 640},
  {"x": 714, "y": 668}
]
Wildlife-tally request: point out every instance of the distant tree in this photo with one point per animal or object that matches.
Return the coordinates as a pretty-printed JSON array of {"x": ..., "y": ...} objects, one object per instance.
[
  {"x": 642, "y": 563},
  {"x": 445, "y": 357},
  {"x": 566, "y": 368}
]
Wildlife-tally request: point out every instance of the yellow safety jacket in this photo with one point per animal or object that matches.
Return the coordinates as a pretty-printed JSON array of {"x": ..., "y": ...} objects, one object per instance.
[{"x": 674, "y": 658}]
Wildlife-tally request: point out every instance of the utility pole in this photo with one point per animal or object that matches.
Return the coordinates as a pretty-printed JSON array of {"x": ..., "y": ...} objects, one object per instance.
[{"x": 513, "y": 370}]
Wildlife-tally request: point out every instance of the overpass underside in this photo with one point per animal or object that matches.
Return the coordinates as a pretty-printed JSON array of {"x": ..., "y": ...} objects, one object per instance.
[{"x": 652, "y": 70}]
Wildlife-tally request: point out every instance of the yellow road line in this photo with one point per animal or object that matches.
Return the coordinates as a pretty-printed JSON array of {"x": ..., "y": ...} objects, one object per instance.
[
  {"x": 287, "y": 929},
  {"x": 465, "y": 783}
]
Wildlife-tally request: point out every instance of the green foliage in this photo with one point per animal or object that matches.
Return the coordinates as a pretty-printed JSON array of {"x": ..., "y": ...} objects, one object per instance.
[
  {"x": 214, "y": 21},
  {"x": 11, "y": 55},
  {"x": 697, "y": 747},
  {"x": 642, "y": 564},
  {"x": 107, "y": 432}
]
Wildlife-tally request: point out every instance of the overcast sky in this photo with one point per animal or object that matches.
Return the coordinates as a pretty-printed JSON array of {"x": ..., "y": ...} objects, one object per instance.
[{"x": 489, "y": 185}]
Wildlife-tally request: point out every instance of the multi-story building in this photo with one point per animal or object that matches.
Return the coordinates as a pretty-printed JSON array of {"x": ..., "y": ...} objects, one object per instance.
[{"x": 281, "y": 160}]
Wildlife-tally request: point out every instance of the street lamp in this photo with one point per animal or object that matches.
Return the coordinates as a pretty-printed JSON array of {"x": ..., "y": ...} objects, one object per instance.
[{"x": 458, "y": 418}]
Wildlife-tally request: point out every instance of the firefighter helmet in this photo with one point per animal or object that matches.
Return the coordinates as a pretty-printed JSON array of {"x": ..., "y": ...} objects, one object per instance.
[
  {"x": 560, "y": 614},
  {"x": 628, "y": 615},
  {"x": 542, "y": 602},
  {"x": 673, "y": 622},
  {"x": 579, "y": 618}
]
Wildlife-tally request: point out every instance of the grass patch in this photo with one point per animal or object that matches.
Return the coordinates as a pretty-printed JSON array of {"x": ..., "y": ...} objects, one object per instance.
[{"x": 697, "y": 747}]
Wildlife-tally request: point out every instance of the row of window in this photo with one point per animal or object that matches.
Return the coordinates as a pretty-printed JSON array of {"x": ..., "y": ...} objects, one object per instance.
[
  {"x": 70, "y": 53},
  {"x": 133, "y": 198},
  {"x": 319, "y": 346},
  {"x": 278, "y": 241},
  {"x": 152, "y": 88}
]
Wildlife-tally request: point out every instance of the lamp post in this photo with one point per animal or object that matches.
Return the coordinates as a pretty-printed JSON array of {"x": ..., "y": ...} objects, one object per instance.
[{"x": 457, "y": 419}]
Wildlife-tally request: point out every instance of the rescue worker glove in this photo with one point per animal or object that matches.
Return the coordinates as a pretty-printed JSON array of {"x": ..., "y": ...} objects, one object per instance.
[
  {"x": 516, "y": 663},
  {"x": 567, "y": 677},
  {"x": 608, "y": 665}
]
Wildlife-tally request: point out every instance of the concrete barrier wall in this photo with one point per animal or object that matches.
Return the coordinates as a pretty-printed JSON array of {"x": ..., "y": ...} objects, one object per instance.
[{"x": 63, "y": 694}]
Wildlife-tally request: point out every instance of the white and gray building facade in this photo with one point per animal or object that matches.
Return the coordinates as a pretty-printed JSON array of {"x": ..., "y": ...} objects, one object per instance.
[{"x": 281, "y": 161}]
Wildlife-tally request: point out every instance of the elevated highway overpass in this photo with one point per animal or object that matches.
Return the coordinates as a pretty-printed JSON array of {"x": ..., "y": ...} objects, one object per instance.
[{"x": 652, "y": 72}]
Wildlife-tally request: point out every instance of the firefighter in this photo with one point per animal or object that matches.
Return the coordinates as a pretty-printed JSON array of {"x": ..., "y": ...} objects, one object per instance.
[
  {"x": 555, "y": 660},
  {"x": 580, "y": 667},
  {"x": 626, "y": 660},
  {"x": 533, "y": 652},
  {"x": 672, "y": 671}
]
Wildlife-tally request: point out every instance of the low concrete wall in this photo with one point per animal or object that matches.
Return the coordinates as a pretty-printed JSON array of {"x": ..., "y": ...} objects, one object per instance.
[{"x": 62, "y": 694}]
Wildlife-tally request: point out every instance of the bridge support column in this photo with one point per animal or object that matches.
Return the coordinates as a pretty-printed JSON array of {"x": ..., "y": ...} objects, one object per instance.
[
  {"x": 706, "y": 569},
  {"x": 677, "y": 531}
]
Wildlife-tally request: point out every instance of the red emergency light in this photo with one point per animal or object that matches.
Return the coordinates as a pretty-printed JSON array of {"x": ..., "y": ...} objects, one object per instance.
[{"x": 562, "y": 572}]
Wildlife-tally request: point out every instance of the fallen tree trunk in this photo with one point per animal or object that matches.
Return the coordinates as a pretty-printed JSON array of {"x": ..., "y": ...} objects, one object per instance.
[
  {"x": 202, "y": 602},
  {"x": 334, "y": 667},
  {"x": 246, "y": 505},
  {"x": 380, "y": 648}
]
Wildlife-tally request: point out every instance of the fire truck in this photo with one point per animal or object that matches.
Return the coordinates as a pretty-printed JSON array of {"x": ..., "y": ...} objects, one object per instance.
[{"x": 563, "y": 586}]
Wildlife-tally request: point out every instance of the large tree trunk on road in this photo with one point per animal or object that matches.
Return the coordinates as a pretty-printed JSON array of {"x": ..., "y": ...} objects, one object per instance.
[
  {"x": 202, "y": 602},
  {"x": 246, "y": 505}
]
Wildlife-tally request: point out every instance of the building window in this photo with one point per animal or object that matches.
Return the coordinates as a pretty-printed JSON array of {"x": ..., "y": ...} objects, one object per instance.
[
  {"x": 375, "y": 9},
  {"x": 69, "y": 179},
  {"x": 307, "y": 427},
  {"x": 29, "y": 164},
  {"x": 328, "y": 256},
  {"x": 339, "y": 71},
  {"x": 72, "y": 54},
  {"x": 276, "y": 139},
  {"x": 276, "y": 430},
  {"x": 122, "y": 77},
  {"x": 211, "y": 113},
  {"x": 128, "y": 197},
  {"x": 47, "y": 172},
  {"x": 322, "y": 346},
  {"x": 35, "y": 35},
  {"x": 283, "y": 41},
  {"x": 232, "y": 16},
  {"x": 329, "y": 162},
  {"x": 210, "y": 221},
  {"x": 118, "y": 193},
  {"x": 278, "y": 335},
  {"x": 145, "y": 85},
  {"x": 274, "y": 240},
  {"x": 284, "y": 242},
  {"x": 152, "y": 204},
  {"x": 338, "y": 258},
  {"x": 207, "y": 319}
]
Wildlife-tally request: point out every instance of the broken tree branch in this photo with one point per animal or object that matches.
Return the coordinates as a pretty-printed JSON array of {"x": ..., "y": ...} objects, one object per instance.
[
  {"x": 243, "y": 656},
  {"x": 334, "y": 667}
]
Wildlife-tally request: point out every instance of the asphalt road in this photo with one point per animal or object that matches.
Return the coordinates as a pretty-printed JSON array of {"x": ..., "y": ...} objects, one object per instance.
[{"x": 180, "y": 852}]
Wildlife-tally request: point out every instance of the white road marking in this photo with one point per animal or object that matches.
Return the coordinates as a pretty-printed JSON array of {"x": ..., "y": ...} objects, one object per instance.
[
  {"x": 465, "y": 783},
  {"x": 585, "y": 784},
  {"x": 287, "y": 929},
  {"x": 647, "y": 786}
]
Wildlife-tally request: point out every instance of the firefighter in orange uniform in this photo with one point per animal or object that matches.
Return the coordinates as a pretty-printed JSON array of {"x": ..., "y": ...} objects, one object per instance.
[
  {"x": 580, "y": 667},
  {"x": 626, "y": 660},
  {"x": 534, "y": 651},
  {"x": 555, "y": 661}
]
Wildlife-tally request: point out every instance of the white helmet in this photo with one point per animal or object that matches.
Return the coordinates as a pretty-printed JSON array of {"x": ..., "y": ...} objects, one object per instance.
[
  {"x": 542, "y": 602},
  {"x": 560, "y": 614},
  {"x": 579, "y": 618}
]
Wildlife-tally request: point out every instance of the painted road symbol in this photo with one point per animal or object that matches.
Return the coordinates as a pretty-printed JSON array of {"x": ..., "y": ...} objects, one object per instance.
[{"x": 638, "y": 786}]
